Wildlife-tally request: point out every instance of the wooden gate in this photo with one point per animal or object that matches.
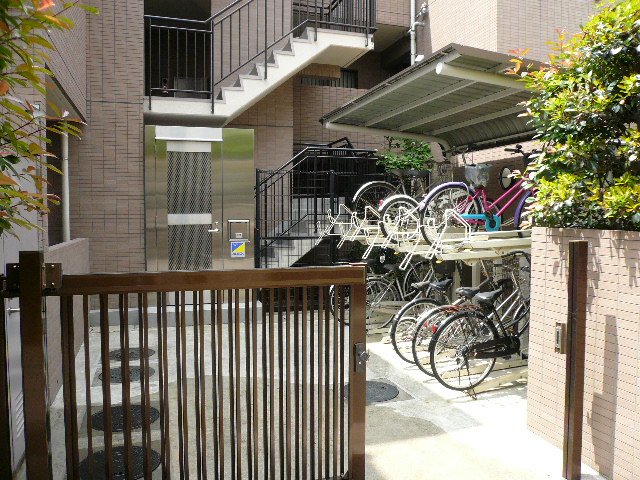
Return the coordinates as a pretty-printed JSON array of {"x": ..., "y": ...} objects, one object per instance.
[{"x": 204, "y": 375}]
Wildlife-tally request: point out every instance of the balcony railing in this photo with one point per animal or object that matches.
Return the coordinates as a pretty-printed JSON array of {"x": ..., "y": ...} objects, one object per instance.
[{"x": 192, "y": 58}]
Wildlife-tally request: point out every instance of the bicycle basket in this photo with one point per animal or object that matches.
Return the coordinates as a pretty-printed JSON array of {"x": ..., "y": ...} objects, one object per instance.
[{"x": 478, "y": 175}]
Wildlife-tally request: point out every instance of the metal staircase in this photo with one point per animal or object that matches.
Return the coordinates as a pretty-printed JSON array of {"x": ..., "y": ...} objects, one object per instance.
[
  {"x": 222, "y": 66},
  {"x": 293, "y": 202}
]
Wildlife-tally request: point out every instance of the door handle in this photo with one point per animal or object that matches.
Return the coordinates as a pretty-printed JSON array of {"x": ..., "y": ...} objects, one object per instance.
[
  {"x": 213, "y": 230},
  {"x": 13, "y": 310}
]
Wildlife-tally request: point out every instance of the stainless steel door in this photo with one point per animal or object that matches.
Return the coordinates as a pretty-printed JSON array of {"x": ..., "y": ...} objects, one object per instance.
[{"x": 199, "y": 185}]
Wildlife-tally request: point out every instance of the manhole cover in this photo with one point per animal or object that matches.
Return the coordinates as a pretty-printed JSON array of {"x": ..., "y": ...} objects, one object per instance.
[
  {"x": 134, "y": 374},
  {"x": 134, "y": 354},
  {"x": 378, "y": 392},
  {"x": 117, "y": 418},
  {"x": 117, "y": 459}
]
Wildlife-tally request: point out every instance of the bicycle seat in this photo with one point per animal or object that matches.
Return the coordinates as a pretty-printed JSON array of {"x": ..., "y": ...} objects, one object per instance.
[
  {"x": 371, "y": 262},
  {"x": 420, "y": 286},
  {"x": 442, "y": 285},
  {"x": 487, "y": 299},
  {"x": 467, "y": 292},
  {"x": 391, "y": 267}
]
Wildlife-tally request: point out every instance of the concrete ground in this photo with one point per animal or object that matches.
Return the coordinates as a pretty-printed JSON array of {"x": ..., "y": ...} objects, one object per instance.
[
  {"x": 430, "y": 432},
  {"x": 426, "y": 432}
]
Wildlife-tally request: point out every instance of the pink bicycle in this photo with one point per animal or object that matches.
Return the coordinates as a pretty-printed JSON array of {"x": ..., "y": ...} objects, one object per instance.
[{"x": 470, "y": 200}]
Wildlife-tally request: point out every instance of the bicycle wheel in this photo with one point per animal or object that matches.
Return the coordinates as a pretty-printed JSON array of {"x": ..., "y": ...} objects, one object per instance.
[
  {"x": 425, "y": 327},
  {"x": 451, "y": 362},
  {"x": 382, "y": 300},
  {"x": 404, "y": 323},
  {"x": 421, "y": 271},
  {"x": 453, "y": 196},
  {"x": 521, "y": 215},
  {"x": 399, "y": 217},
  {"x": 370, "y": 194}
]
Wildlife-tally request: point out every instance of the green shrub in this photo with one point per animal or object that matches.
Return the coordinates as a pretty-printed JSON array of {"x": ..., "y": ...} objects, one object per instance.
[
  {"x": 406, "y": 154},
  {"x": 587, "y": 115}
]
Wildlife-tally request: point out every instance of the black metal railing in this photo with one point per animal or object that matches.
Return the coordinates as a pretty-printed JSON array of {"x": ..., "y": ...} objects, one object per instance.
[
  {"x": 292, "y": 203},
  {"x": 192, "y": 58}
]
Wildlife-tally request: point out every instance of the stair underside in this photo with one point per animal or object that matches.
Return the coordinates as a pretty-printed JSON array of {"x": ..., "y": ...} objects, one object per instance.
[{"x": 249, "y": 87}]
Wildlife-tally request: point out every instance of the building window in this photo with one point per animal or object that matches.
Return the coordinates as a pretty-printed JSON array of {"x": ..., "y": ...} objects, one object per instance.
[{"x": 348, "y": 79}]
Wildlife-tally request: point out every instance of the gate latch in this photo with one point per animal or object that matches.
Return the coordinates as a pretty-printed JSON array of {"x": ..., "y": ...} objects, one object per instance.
[{"x": 361, "y": 356}]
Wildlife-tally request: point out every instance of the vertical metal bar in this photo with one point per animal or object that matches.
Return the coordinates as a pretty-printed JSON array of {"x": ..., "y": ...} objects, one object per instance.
[
  {"x": 212, "y": 80},
  {"x": 272, "y": 460},
  {"x": 232, "y": 406},
  {"x": 165, "y": 407},
  {"x": 336, "y": 379},
  {"x": 249, "y": 391},
  {"x": 179, "y": 307},
  {"x": 327, "y": 391},
  {"x": 202, "y": 388},
  {"x": 123, "y": 304},
  {"x": 296, "y": 366},
  {"x": 148, "y": 23},
  {"x": 34, "y": 366},
  {"x": 215, "y": 351},
  {"x": 287, "y": 327},
  {"x": 265, "y": 428},
  {"x": 143, "y": 379},
  {"x": 281, "y": 412},
  {"x": 254, "y": 353},
  {"x": 87, "y": 380},
  {"x": 220, "y": 379},
  {"x": 265, "y": 38},
  {"x": 304, "y": 362},
  {"x": 256, "y": 227},
  {"x": 106, "y": 384},
  {"x": 575, "y": 361},
  {"x": 144, "y": 375},
  {"x": 160, "y": 319},
  {"x": 69, "y": 387},
  {"x": 183, "y": 365},
  {"x": 5, "y": 420},
  {"x": 320, "y": 356},
  {"x": 357, "y": 382},
  {"x": 197, "y": 385},
  {"x": 342, "y": 325},
  {"x": 312, "y": 382},
  {"x": 238, "y": 398},
  {"x": 315, "y": 28}
]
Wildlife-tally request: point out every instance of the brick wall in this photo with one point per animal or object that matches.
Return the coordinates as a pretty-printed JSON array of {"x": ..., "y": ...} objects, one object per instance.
[
  {"x": 107, "y": 189},
  {"x": 311, "y": 102},
  {"x": 272, "y": 121},
  {"x": 393, "y": 12},
  {"x": 533, "y": 23},
  {"x": 68, "y": 62},
  {"x": 611, "y": 440}
]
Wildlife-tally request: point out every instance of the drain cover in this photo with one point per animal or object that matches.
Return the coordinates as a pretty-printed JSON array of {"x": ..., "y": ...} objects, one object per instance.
[
  {"x": 134, "y": 353},
  {"x": 117, "y": 459},
  {"x": 378, "y": 392},
  {"x": 117, "y": 418},
  {"x": 134, "y": 374}
]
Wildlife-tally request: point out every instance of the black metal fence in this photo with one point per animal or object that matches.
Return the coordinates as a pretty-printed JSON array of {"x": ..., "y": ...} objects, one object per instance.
[
  {"x": 292, "y": 203},
  {"x": 192, "y": 58}
]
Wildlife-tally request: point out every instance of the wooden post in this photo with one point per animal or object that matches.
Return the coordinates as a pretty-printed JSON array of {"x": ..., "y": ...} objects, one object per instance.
[
  {"x": 357, "y": 383},
  {"x": 34, "y": 366},
  {"x": 574, "y": 387}
]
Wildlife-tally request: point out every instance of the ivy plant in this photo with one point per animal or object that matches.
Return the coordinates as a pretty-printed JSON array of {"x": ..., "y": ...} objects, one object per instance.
[
  {"x": 24, "y": 42},
  {"x": 586, "y": 114},
  {"x": 406, "y": 154}
]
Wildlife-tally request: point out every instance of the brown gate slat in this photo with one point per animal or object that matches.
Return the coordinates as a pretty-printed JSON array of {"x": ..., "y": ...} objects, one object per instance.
[{"x": 284, "y": 380}]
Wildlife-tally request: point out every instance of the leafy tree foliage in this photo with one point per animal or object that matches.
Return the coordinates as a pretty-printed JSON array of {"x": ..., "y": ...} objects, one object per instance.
[
  {"x": 587, "y": 115},
  {"x": 406, "y": 154},
  {"x": 23, "y": 127}
]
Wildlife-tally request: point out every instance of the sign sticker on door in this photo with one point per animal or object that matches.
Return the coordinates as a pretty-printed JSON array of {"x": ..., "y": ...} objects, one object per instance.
[{"x": 238, "y": 249}]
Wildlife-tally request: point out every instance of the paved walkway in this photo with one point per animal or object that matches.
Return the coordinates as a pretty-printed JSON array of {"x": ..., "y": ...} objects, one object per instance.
[{"x": 430, "y": 432}]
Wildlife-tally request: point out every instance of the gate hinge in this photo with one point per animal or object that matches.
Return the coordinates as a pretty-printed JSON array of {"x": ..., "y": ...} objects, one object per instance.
[{"x": 51, "y": 275}]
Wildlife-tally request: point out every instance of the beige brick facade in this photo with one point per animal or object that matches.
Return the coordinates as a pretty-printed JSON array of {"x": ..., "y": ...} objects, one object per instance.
[{"x": 611, "y": 439}]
